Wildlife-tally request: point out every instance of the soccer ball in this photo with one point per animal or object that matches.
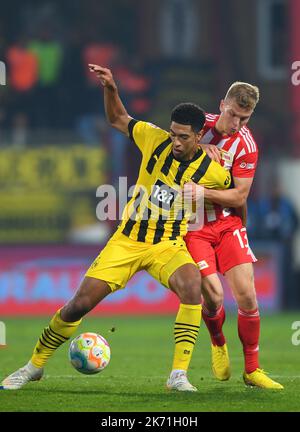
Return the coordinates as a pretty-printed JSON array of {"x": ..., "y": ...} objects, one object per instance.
[{"x": 89, "y": 353}]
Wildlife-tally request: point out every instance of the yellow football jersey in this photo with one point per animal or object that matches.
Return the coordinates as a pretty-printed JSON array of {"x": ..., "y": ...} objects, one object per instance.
[{"x": 156, "y": 211}]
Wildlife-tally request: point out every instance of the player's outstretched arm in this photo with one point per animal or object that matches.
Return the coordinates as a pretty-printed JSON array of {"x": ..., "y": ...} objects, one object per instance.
[{"x": 116, "y": 113}]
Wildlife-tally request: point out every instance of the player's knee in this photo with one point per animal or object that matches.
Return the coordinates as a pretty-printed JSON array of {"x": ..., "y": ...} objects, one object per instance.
[
  {"x": 213, "y": 301},
  {"x": 247, "y": 301},
  {"x": 190, "y": 292},
  {"x": 213, "y": 297}
]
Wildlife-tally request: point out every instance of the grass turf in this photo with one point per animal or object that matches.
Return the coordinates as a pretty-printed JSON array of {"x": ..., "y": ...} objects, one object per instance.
[{"x": 134, "y": 381}]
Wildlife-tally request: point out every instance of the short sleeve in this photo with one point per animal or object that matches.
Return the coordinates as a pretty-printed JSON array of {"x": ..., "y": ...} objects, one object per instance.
[
  {"x": 245, "y": 165},
  {"x": 146, "y": 135}
]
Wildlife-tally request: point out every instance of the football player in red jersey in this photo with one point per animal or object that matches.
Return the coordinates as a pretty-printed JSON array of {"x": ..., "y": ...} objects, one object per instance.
[{"x": 222, "y": 244}]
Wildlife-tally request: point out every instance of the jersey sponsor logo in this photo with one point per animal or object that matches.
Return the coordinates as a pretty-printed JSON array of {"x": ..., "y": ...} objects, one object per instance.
[
  {"x": 227, "y": 158},
  {"x": 202, "y": 265},
  {"x": 247, "y": 165},
  {"x": 163, "y": 196},
  {"x": 226, "y": 155}
]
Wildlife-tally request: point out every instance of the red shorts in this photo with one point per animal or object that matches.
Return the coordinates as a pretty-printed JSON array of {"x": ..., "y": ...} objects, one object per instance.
[{"x": 220, "y": 245}]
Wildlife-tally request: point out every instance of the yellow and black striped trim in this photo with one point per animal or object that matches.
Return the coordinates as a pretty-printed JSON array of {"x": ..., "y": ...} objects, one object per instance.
[
  {"x": 176, "y": 225},
  {"x": 160, "y": 229},
  {"x": 131, "y": 221},
  {"x": 181, "y": 170},
  {"x": 50, "y": 339},
  {"x": 156, "y": 154},
  {"x": 144, "y": 225},
  {"x": 201, "y": 170},
  {"x": 167, "y": 164},
  {"x": 185, "y": 333}
]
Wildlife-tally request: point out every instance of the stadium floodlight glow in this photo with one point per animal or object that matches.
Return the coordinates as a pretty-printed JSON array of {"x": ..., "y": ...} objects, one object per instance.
[
  {"x": 2, "y": 73},
  {"x": 2, "y": 334}
]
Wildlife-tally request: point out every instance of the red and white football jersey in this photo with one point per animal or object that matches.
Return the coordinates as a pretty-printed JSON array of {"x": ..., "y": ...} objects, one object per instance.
[{"x": 239, "y": 155}]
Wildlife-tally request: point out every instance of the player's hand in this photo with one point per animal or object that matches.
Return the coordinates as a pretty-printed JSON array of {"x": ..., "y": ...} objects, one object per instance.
[
  {"x": 212, "y": 151},
  {"x": 103, "y": 74},
  {"x": 192, "y": 191}
]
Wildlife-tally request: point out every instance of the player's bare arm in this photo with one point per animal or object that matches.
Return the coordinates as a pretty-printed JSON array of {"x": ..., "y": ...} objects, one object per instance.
[
  {"x": 215, "y": 154},
  {"x": 235, "y": 197},
  {"x": 115, "y": 111}
]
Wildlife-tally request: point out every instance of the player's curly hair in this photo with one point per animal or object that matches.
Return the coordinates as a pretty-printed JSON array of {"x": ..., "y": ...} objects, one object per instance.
[
  {"x": 246, "y": 95},
  {"x": 188, "y": 113}
]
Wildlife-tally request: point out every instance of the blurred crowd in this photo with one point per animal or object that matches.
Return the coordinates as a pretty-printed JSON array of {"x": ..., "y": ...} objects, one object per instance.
[
  {"x": 273, "y": 219},
  {"x": 49, "y": 84}
]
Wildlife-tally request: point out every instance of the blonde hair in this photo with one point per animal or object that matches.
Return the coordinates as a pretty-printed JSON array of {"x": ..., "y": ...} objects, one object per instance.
[{"x": 246, "y": 95}]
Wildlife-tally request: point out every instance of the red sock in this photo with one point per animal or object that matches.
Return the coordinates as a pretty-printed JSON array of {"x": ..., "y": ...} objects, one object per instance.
[
  {"x": 214, "y": 321},
  {"x": 248, "y": 328}
]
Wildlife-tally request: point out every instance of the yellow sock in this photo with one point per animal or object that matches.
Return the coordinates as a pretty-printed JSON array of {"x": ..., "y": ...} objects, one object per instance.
[
  {"x": 52, "y": 337},
  {"x": 185, "y": 332}
]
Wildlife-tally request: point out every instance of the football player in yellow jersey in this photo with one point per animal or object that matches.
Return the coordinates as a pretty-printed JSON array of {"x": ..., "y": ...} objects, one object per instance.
[{"x": 150, "y": 236}]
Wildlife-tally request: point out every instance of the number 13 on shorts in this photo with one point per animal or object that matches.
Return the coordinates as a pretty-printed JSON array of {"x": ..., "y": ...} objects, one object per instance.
[{"x": 241, "y": 235}]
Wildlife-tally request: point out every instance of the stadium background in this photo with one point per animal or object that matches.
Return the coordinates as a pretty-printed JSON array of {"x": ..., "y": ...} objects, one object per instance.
[{"x": 56, "y": 149}]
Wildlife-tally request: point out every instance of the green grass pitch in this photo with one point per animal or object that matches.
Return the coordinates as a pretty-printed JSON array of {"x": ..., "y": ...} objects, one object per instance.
[{"x": 134, "y": 381}]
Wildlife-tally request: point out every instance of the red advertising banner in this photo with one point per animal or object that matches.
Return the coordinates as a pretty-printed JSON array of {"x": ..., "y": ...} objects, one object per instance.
[{"x": 37, "y": 280}]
